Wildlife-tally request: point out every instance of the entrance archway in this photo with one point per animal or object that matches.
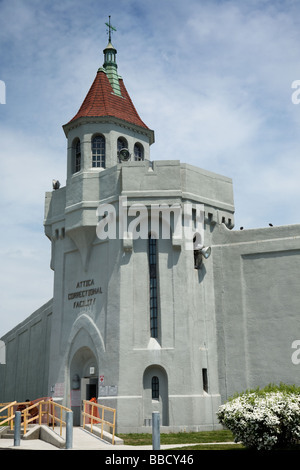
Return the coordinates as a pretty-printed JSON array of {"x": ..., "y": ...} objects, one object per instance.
[
  {"x": 83, "y": 380},
  {"x": 86, "y": 346}
]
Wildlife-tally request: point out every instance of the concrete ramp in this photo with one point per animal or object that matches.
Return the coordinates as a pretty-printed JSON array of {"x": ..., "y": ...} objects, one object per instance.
[
  {"x": 81, "y": 439},
  {"x": 45, "y": 438}
]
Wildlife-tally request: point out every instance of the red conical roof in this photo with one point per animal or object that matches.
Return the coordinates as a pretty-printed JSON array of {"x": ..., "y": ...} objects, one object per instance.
[{"x": 101, "y": 101}]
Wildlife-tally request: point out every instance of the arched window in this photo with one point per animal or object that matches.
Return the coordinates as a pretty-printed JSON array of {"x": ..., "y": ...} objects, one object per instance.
[
  {"x": 98, "y": 152},
  {"x": 122, "y": 143},
  {"x": 153, "y": 286},
  {"x": 123, "y": 154},
  {"x": 138, "y": 152},
  {"x": 155, "y": 388},
  {"x": 76, "y": 156}
]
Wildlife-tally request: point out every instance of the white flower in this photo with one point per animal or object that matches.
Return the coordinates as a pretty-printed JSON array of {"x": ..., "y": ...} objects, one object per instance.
[{"x": 262, "y": 421}]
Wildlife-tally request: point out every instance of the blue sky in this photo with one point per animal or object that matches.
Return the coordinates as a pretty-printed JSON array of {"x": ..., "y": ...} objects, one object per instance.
[{"x": 211, "y": 78}]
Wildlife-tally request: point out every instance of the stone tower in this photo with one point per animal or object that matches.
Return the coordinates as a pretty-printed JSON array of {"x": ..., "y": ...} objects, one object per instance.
[
  {"x": 133, "y": 311},
  {"x": 142, "y": 318}
]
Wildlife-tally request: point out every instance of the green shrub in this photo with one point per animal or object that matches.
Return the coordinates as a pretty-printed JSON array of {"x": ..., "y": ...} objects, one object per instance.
[{"x": 265, "y": 418}]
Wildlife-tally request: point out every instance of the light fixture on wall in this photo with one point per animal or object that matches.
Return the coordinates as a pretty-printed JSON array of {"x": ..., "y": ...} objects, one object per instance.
[
  {"x": 124, "y": 155},
  {"x": 203, "y": 252},
  {"x": 75, "y": 382},
  {"x": 206, "y": 251}
]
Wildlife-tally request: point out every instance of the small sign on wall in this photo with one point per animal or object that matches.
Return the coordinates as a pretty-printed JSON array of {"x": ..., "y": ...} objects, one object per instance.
[
  {"x": 108, "y": 390},
  {"x": 103, "y": 390},
  {"x": 112, "y": 390},
  {"x": 59, "y": 389}
]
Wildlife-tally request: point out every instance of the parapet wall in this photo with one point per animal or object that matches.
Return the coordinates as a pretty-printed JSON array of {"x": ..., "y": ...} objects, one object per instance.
[{"x": 257, "y": 298}]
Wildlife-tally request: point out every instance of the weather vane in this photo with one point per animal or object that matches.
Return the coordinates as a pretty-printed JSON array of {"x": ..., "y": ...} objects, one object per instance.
[{"x": 110, "y": 29}]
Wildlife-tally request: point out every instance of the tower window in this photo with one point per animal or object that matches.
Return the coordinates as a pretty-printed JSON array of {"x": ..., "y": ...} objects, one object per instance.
[
  {"x": 205, "y": 380},
  {"x": 98, "y": 152},
  {"x": 153, "y": 287},
  {"x": 155, "y": 388},
  {"x": 123, "y": 152},
  {"x": 122, "y": 143},
  {"x": 138, "y": 152},
  {"x": 77, "y": 156}
]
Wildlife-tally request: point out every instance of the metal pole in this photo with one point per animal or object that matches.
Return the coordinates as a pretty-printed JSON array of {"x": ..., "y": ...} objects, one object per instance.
[
  {"x": 69, "y": 429},
  {"x": 17, "y": 433},
  {"x": 155, "y": 430}
]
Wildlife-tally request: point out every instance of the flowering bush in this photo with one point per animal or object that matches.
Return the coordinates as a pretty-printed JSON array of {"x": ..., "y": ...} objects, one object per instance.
[{"x": 264, "y": 419}]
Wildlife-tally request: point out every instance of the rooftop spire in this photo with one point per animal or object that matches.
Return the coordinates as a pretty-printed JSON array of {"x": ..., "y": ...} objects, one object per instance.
[
  {"x": 110, "y": 63},
  {"x": 108, "y": 97},
  {"x": 110, "y": 29}
]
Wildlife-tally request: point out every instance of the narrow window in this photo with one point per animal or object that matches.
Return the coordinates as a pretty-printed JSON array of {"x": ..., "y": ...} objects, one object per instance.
[
  {"x": 138, "y": 152},
  {"x": 205, "y": 380},
  {"x": 194, "y": 216},
  {"x": 98, "y": 152},
  {"x": 77, "y": 156},
  {"x": 153, "y": 287},
  {"x": 155, "y": 388}
]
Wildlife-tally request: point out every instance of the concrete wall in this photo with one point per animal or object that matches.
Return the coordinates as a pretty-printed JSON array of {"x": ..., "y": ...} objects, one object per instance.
[
  {"x": 25, "y": 374},
  {"x": 114, "y": 330},
  {"x": 236, "y": 317},
  {"x": 256, "y": 282}
]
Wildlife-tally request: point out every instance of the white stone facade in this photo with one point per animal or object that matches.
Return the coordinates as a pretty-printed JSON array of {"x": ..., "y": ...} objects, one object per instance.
[{"x": 224, "y": 327}]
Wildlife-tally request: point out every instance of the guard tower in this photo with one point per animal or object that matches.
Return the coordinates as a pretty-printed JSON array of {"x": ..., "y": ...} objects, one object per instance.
[
  {"x": 142, "y": 318},
  {"x": 132, "y": 321}
]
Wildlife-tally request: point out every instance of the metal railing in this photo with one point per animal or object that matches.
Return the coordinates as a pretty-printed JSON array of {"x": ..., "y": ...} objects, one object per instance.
[
  {"x": 97, "y": 414},
  {"x": 53, "y": 410},
  {"x": 42, "y": 411},
  {"x": 7, "y": 412},
  {"x": 51, "y": 413}
]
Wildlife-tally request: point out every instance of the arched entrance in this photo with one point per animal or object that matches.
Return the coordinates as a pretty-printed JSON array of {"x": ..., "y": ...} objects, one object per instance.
[
  {"x": 83, "y": 380},
  {"x": 155, "y": 394},
  {"x": 85, "y": 347}
]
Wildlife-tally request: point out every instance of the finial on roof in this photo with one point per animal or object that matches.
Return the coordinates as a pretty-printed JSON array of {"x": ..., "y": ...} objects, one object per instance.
[
  {"x": 110, "y": 64},
  {"x": 110, "y": 29}
]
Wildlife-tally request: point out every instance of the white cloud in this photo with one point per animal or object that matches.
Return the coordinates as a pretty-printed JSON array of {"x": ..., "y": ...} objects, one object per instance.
[{"x": 212, "y": 78}]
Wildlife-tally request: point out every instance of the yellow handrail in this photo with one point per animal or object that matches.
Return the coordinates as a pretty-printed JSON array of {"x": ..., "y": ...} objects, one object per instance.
[
  {"x": 52, "y": 415},
  {"x": 36, "y": 416},
  {"x": 51, "y": 407},
  {"x": 43, "y": 407},
  {"x": 97, "y": 419},
  {"x": 10, "y": 413}
]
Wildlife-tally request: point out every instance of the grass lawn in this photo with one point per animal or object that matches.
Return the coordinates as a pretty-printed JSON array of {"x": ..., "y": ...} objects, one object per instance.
[
  {"x": 203, "y": 440},
  {"x": 181, "y": 438},
  {"x": 211, "y": 447}
]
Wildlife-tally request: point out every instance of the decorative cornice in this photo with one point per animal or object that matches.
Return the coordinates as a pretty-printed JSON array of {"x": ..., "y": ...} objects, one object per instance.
[{"x": 108, "y": 120}]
